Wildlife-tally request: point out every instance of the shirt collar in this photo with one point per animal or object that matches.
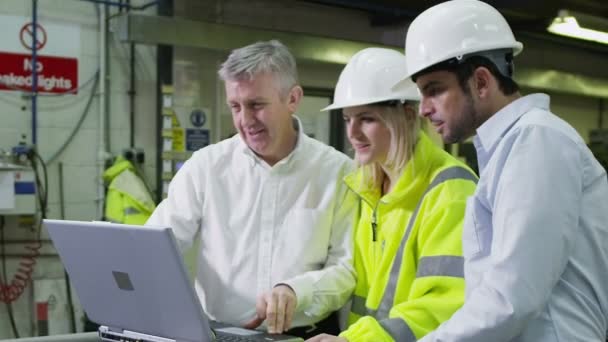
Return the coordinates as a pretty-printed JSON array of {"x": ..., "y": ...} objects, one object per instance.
[
  {"x": 255, "y": 159},
  {"x": 491, "y": 131}
]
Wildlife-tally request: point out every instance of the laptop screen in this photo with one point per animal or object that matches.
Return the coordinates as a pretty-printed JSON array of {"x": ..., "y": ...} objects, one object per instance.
[{"x": 130, "y": 278}]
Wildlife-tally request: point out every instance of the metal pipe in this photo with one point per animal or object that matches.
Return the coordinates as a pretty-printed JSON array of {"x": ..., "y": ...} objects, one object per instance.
[
  {"x": 68, "y": 288},
  {"x": 34, "y": 70},
  {"x": 121, "y": 5},
  {"x": 61, "y": 197},
  {"x": 132, "y": 95},
  {"x": 131, "y": 91},
  {"x": 104, "y": 104},
  {"x": 109, "y": 3}
]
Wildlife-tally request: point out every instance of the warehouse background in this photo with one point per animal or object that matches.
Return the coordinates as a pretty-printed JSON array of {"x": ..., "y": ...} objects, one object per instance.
[{"x": 106, "y": 66}]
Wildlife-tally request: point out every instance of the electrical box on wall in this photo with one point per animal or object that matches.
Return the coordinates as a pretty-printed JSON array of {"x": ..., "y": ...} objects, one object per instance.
[{"x": 17, "y": 189}]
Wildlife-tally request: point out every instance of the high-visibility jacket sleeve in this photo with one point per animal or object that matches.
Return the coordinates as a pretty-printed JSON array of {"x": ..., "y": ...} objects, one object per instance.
[
  {"x": 367, "y": 328},
  {"x": 438, "y": 288}
]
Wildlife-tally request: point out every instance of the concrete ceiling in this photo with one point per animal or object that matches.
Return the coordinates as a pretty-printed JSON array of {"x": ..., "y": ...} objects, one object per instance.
[{"x": 529, "y": 16}]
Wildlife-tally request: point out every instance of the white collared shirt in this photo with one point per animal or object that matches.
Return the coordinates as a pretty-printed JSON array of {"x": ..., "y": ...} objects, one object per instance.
[
  {"x": 535, "y": 238},
  {"x": 261, "y": 225}
]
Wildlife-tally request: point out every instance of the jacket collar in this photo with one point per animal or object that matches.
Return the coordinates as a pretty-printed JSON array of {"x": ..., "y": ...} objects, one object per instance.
[{"x": 411, "y": 180}]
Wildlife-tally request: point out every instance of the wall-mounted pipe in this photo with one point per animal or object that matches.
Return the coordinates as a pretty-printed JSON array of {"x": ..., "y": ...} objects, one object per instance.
[
  {"x": 122, "y": 5},
  {"x": 131, "y": 91},
  {"x": 104, "y": 106},
  {"x": 34, "y": 70},
  {"x": 68, "y": 286}
]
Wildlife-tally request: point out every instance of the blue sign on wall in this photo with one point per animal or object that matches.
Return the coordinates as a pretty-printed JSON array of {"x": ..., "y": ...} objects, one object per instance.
[
  {"x": 196, "y": 138},
  {"x": 198, "y": 118}
]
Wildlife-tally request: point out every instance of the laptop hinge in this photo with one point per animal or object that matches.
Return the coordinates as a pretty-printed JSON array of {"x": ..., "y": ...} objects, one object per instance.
[{"x": 116, "y": 330}]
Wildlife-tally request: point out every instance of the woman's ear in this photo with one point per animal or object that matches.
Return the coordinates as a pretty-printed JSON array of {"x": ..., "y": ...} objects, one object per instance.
[{"x": 410, "y": 109}]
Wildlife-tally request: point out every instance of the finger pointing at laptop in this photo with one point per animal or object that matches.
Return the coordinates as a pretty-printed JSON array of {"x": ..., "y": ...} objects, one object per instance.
[{"x": 276, "y": 307}]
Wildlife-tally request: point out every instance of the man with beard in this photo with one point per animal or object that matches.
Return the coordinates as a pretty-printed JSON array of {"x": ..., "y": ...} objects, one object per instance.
[{"x": 535, "y": 231}]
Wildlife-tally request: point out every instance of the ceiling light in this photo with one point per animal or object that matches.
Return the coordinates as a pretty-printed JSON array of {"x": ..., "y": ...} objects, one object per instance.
[{"x": 580, "y": 26}]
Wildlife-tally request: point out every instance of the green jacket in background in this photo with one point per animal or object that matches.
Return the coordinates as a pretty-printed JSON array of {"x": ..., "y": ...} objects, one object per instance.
[
  {"x": 128, "y": 200},
  {"x": 410, "y": 270}
]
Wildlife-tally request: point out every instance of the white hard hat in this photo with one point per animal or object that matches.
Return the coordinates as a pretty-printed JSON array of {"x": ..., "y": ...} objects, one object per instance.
[
  {"x": 454, "y": 29},
  {"x": 368, "y": 78}
]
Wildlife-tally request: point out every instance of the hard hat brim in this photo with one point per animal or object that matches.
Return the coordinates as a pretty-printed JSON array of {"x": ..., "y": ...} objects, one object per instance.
[{"x": 517, "y": 47}]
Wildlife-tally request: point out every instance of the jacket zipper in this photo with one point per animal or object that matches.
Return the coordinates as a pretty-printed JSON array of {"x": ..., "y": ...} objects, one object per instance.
[
  {"x": 374, "y": 218},
  {"x": 374, "y": 224}
]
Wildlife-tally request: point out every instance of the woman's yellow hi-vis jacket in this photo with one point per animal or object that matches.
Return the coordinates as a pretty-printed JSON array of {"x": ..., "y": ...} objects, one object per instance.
[{"x": 408, "y": 249}]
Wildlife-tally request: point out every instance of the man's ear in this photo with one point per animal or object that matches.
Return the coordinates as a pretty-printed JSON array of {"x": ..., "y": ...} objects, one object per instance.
[
  {"x": 295, "y": 96},
  {"x": 483, "y": 82}
]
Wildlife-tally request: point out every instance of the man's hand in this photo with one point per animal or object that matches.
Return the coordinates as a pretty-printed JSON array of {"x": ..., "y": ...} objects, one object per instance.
[
  {"x": 326, "y": 338},
  {"x": 276, "y": 308}
]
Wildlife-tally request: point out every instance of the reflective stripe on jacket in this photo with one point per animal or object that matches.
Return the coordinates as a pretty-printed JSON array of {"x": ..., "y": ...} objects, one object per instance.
[
  {"x": 410, "y": 270},
  {"x": 127, "y": 200}
]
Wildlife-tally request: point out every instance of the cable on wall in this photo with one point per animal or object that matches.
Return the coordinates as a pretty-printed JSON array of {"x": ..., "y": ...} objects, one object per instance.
[
  {"x": 3, "y": 279},
  {"x": 83, "y": 116}
]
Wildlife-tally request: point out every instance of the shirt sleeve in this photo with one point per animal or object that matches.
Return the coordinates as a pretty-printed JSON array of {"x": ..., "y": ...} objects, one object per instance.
[
  {"x": 323, "y": 291},
  {"x": 535, "y": 202},
  {"x": 181, "y": 210}
]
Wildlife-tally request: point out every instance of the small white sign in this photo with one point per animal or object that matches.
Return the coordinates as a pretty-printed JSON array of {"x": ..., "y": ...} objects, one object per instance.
[
  {"x": 53, "y": 39},
  {"x": 7, "y": 190}
]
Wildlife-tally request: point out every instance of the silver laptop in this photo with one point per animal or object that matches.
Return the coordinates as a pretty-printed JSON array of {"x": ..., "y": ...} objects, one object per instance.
[{"x": 132, "y": 281}]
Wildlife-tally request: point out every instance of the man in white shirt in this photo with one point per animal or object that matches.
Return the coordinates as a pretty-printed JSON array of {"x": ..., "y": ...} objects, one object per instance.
[
  {"x": 273, "y": 214},
  {"x": 535, "y": 232}
]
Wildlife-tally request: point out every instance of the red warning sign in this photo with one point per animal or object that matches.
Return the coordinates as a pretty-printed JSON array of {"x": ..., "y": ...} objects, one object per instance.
[
  {"x": 55, "y": 74},
  {"x": 26, "y": 36}
]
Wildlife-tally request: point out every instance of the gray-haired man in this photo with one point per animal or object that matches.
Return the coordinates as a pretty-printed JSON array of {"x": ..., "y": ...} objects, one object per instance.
[{"x": 273, "y": 214}]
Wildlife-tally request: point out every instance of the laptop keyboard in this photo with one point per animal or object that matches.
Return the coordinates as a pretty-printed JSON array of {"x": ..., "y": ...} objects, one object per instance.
[{"x": 233, "y": 338}]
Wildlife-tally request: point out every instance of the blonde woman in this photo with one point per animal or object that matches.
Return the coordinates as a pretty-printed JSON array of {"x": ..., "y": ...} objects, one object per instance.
[{"x": 408, "y": 250}]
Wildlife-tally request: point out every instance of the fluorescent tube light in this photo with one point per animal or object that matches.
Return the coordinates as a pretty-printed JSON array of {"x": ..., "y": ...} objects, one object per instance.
[{"x": 580, "y": 26}]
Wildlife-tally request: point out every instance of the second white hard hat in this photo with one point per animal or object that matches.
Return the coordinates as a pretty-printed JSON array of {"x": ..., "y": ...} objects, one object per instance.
[
  {"x": 368, "y": 78},
  {"x": 454, "y": 29}
]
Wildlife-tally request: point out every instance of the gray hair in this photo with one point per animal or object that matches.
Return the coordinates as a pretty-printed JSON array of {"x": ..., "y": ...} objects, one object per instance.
[{"x": 262, "y": 57}]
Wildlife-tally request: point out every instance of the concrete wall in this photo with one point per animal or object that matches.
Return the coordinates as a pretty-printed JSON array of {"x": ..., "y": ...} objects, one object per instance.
[{"x": 57, "y": 117}]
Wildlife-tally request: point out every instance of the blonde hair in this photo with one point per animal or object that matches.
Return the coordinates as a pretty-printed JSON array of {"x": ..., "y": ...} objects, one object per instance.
[{"x": 404, "y": 125}]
